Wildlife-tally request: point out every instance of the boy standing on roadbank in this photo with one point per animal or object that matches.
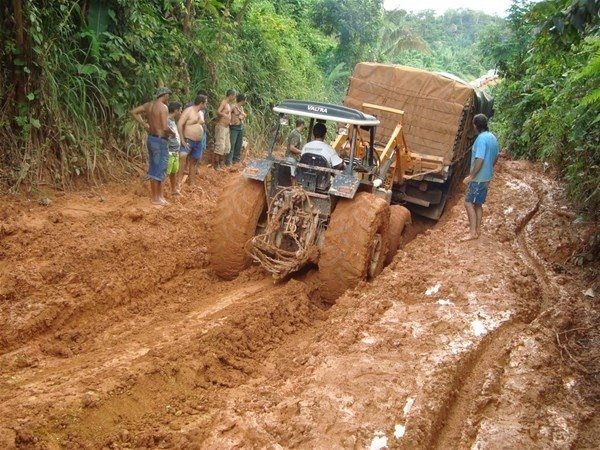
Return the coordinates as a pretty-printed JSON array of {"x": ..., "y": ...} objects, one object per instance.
[
  {"x": 158, "y": 131},
  {"x": 174, "y": 145},
  {"x": 222, "y": 138},
  {"x": 483, "y": 158}
]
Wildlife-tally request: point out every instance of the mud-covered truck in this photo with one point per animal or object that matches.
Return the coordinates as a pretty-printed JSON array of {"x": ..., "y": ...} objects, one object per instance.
[
  {"x": 438, "y": 114},
  {"x": 285, "y": 213}
]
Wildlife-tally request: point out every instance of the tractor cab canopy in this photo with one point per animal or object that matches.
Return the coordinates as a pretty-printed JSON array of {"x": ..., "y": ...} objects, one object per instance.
[
  {"x": 326, "y": 111},
  {"x": 356, "y": 149},
  {"x": 314, "y": 173}
]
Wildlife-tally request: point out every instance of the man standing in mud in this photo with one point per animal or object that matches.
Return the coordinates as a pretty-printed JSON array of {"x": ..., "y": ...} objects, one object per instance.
[
  {"x": 157, "y": 113},
  {"x": 191, "y": 128},
  {"x": 483, "y": 159},
  {"x": 222, "y": 137}
]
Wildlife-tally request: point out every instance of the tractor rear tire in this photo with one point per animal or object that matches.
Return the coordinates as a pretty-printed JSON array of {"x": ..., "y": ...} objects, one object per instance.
[
  {"x": 355, "y": 244},
  {"x": 239, "y": 209},
  {"x": 399, "y": 217}
]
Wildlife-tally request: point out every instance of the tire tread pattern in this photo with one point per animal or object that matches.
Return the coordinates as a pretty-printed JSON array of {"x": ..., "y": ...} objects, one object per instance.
[
  {"x": 399, "y": 217},
  {"x": 349, "y": 240},
  {"x": 238, "y": 211}
]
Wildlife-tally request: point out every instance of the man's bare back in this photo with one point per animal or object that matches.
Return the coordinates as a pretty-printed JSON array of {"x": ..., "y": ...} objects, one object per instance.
[{"x": 157, "y": 113}]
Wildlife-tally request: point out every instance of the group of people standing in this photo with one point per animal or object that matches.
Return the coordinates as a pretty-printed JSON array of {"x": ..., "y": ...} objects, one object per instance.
[
  {"x": 178, "y": 136},
  {"x": 177, "y": 139}
]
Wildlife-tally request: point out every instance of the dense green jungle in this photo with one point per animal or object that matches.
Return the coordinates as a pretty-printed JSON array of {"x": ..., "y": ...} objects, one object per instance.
[{"x": 71, "y": 70}]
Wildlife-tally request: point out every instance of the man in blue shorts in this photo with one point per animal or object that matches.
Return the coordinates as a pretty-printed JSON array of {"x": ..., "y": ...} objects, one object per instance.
[
  {"x": 158, "y": 132},
  {"x": 191, "y": 129},
  {"x": 483, "y": 158}
]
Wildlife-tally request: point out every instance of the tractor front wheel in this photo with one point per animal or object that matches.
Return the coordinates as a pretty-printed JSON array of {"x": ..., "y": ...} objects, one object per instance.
[{"x": 355, "y": 243}]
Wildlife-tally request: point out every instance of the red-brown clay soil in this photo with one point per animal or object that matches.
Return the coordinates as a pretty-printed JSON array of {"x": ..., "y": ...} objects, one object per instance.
[{"x": 116, "y": 334}]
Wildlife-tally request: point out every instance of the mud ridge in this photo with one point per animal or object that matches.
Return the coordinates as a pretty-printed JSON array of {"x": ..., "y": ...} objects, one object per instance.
[{"x": 549, "y": 292}]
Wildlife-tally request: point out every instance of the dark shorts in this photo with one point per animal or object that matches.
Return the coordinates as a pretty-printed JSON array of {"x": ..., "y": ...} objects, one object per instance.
[
  {"x": 158, "y": 155},
  {"x": 476, "y": 192},
  {"x": 196, "y": 148}
]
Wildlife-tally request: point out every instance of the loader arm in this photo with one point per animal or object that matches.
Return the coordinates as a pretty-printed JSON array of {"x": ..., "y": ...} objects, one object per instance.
[{"x": 406, "y": 164}]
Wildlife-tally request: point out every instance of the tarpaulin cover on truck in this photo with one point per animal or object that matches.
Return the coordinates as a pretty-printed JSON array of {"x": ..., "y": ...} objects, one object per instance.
[{"x": 434, "y": 106}]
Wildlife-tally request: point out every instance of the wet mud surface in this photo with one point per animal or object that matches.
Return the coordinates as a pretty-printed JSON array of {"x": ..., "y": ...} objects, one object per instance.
[{"x": 116, "y": 334}]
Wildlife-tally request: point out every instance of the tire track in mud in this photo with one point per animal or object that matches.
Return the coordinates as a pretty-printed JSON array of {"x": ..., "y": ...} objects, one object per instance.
[
  {"x": 137, "y": 337},
  {"x": 481, "y": 368},
  {"x": 481, "y": 372},
  {"x": 198, "y": 356}
]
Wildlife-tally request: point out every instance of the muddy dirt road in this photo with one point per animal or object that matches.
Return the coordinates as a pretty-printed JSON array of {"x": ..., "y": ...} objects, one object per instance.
[{"x": 116, "y": 334}]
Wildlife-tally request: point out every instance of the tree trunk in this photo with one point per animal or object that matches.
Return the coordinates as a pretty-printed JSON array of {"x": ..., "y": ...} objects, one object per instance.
[
  {"x": 187, "y": 17},
  {"x": 18, "y": 74}
]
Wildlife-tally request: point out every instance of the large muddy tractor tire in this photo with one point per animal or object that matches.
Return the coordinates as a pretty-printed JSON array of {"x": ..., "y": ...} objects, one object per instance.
[
  {"x": 239, "y": 209},
  {"x": 355, "y": 244},
  {"x": 399, "y": 218}
]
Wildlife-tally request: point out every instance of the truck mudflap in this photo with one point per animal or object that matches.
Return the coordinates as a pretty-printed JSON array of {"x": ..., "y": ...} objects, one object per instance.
[
  {"x": 344, "y": 186},
  {"x": 258, "y": 169}
]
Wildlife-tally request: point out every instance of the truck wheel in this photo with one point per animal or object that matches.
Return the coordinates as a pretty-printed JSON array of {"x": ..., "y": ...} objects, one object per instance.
[
  {"x": 239, "y": 209},
  {"x": 399, "y": 217},
  {"x": 355, "y": 243}
]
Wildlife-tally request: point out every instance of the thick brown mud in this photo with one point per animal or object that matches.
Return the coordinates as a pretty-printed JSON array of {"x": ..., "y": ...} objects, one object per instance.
[{"x": 116, "y": 333}]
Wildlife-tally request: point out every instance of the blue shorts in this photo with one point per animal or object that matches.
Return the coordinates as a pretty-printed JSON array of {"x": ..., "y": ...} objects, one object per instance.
[
  {"x": 196, "y": 148},
  {"x": 158, "y": 155},
  {"x": 203, "y": 141},
  {"x": 476, "y": 192}
]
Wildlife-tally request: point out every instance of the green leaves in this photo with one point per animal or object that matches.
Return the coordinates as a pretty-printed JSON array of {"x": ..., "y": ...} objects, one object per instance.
[
  {"x": 548, "y": 106},
  {"x": 354, "y": 24},
  {"x": 447, "y": 42},
  {"x": 98, "y": 15}
]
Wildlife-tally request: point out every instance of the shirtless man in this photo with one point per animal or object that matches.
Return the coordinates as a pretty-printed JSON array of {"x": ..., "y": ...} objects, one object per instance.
[
  {"x": 191, "y": 127},
  {"x": 157, "y": 113},
  {"x": 222, "y": 139},
  {"x": 236, "y": 130}
]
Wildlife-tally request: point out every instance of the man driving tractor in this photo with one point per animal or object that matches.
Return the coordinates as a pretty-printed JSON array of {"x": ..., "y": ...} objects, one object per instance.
[{"x": 319, "y": 147}]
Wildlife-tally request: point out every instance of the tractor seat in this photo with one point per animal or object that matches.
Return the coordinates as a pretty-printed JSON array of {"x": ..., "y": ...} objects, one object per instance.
[{"x": 313, "y": 180}]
